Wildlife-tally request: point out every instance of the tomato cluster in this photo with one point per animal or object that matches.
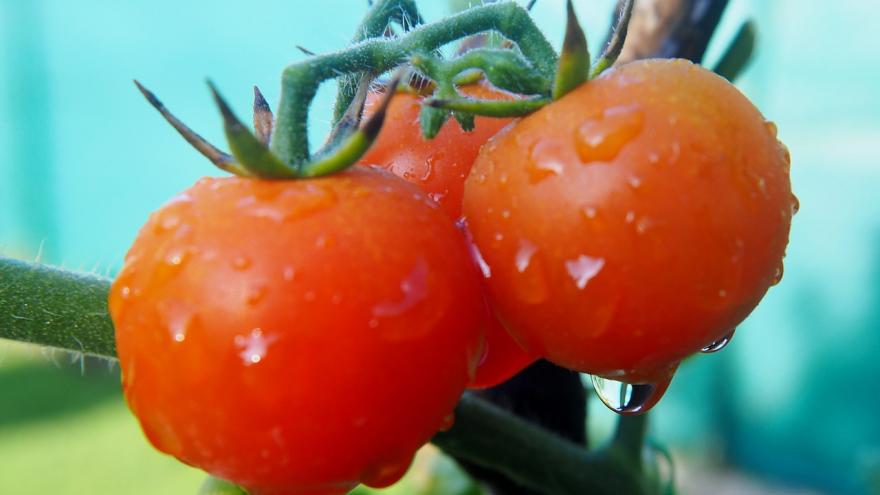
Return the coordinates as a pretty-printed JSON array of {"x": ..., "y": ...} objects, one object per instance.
[{"x": 304, "y": 336}]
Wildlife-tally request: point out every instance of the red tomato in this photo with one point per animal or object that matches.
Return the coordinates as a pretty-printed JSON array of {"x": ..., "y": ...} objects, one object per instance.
[
  {"x": 297, "y": 337},
  {"x": 633, "y": 222},
  {"x": 439, "y": 166}
]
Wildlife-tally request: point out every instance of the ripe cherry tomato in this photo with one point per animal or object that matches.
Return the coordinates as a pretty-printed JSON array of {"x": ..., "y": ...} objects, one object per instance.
[
  {"x": 440, "y": 166},
  {"x": 298, "y": 336},
  {"x": 633, "y": 222}
]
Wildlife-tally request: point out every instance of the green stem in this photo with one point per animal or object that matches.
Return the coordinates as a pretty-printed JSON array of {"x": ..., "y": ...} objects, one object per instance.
[
  {"x": 377, "y": 20},
  {"x": 493, "y": 438},
  {"x": 56, "y": 308},
  {"x": 629, "y": 438},
  {"x": 300, "y": 81}
]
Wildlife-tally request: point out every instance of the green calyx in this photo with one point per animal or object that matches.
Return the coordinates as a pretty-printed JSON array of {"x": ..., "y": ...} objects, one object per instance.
[{"x": 278, "y": 147}]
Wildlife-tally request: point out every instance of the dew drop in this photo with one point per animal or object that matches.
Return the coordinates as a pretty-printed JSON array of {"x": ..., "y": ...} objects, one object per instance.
[
  {"x": 795, "y": 205},
  {"x": 583, "y": 269},
  {"x": 125, "y": 292},
  {"x": 643, "y": 224},
  {"x": 542, "y": 164},
  {"x": 635, "y": 182},
  {"x": 499, "y": 236},
  {"x": 524, "y": 255},
  {"x": 630, "y": 216},
  {"x": 169, "y": 222},
  {"x": 437, "y": 196},
  {"x": 602, "y": 139},
  {"x": 254, "y": 346},
  {"x": 254, "y": 295},
  {"x": 772, "y": 129},
  {"x": 177, "y": 257},
  {"x": 718, "y": 344},
  {"x": 288, "y": 273},
  {"x": 414, "y": 288},
  {"x": 629, "y": 398},
  {"x": 241, "y": 263},
  {"x": 654, "y": 158},
  {"x": 777, "y": 276},
  {"x": 505, "y": 214},
  {"x": 590, "y": 212}
]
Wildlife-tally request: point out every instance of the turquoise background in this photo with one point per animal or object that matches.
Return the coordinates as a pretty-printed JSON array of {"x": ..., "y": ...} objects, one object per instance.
[{"x": 83, "y": 160}]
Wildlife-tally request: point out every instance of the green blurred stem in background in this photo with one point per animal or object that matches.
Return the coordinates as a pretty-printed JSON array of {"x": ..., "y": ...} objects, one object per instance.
[{"x": 58, "y": 308}]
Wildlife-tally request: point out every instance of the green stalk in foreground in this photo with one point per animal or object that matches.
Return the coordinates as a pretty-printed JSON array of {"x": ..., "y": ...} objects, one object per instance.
[{"x": 59, "y": 308}]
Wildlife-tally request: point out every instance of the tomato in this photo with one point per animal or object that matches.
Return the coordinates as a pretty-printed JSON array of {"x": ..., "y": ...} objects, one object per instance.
[
  {"x": 633, "y": 222},
  {"x": 440, "y": 166},
  {"x": 297, "y": 337}
]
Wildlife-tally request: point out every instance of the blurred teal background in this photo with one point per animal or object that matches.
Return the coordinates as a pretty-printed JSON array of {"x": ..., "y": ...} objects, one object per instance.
[{"x": 790, "y": 407}]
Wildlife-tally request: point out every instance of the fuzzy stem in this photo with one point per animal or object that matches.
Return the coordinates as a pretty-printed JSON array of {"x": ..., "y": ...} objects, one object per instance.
[
  {"x": 56, "y": 308},
  {"x": 377, "y": 20},
  {"x": 300, "y": 82}
]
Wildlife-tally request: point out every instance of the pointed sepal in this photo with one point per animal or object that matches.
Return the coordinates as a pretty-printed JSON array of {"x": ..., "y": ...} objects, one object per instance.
[
  {"x": 574, "y": 61},
  {"x": 615, "y": 44},
  {"x": 251, "y": 154}
]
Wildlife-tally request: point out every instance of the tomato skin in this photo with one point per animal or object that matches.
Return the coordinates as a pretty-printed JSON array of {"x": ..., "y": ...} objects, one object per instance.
[
  {"x": 297, "y": 337},
  {"x": 633, "y": 222},
  {"x": 439, "y": 166}
]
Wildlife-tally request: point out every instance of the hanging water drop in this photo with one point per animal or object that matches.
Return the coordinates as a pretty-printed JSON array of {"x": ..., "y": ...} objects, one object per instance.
[
  {"x": 629, "y": 398},
  {"x": 718, "y": 344}
]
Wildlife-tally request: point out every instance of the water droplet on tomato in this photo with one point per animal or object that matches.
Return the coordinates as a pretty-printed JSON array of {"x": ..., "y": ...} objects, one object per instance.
[
  {"x": 125, "y": 292},
  {"x": 654, "y": 158},
  {"x": 718, "y": 344},
  {"x": 505, "y": 214},
  {"x": 635, "y": 182},
  {"x": 524, "y": 255},
  {"x": 255, "y": 294},
  {"x": 499, "y": 236},
  {"x": 176, "y": 257},
  {"x": 643, "y": 224},
  {"x": 323, "y": 241},
  {"x": 288, "y": 273},
  {"x": 795, "y": 205},
  {"x": 777, "y": 276},
  {"x": 630, "y": 216},
  {"x": 772, "y": 129},
  {"x": 603, "y": 138},
  {"x": 178, "y": 318},
  {"x": 590, "y": 212},
  {"x": 414, "y": 289},
  {"x": 530, "y": 283},
  {"x": 167, "y": 222},
  {"x": 629, "y": 398},
  {"x": 583, "y": 269},
  {"x": 542, "y": 163},
  {"x": 438, "y": 196},
  {"x": 253, "y": 346},
  {"x": 786, "y": 153},
  {"x": 241, "y": 263}
]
